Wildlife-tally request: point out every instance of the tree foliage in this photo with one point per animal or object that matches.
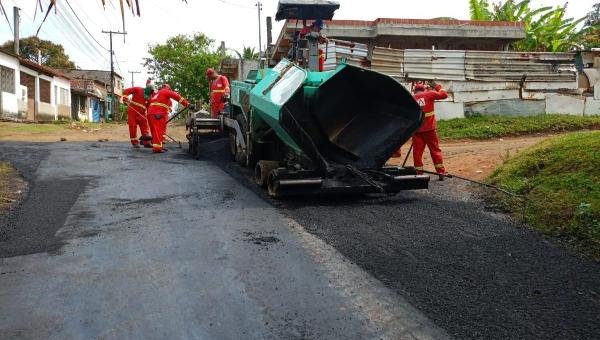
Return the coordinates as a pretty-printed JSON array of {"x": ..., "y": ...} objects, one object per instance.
[
  {"x": 591, "y": 31},
  {"x": 182, "y": 61},
  {"x": 546, "y": 28},
  {"x": 249, "y": 53},
  {"x": 480, "y": 10},
  {"x": 53, "y": 55}
]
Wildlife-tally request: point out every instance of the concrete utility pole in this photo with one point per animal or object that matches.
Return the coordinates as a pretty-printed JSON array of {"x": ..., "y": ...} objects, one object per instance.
[
  {"x": 112, "y": 70},
  {"x": 132, "y": 72},
  {"x": 17, "y": 24},
  {"x": 259, "y": 6}
]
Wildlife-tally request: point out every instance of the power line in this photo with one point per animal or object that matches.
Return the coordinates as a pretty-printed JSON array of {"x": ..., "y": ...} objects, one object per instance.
[
  {"x": 235, "y": 4},
  {"x": 84, "y": 45},
  {"x": 76, "y": 16}
]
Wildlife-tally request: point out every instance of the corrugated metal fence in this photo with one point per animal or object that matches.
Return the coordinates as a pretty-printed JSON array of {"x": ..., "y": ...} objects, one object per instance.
[{"x": 474, "y": 65}]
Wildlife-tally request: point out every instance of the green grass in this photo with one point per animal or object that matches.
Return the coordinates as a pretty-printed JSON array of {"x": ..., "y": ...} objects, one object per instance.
[
  {"x": 560, "y": 179},
  {"x": 488, "y": 127}
]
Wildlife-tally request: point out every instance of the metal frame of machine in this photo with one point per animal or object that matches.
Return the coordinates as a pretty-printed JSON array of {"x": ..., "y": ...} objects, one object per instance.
[{"x": 306, "y": 132}]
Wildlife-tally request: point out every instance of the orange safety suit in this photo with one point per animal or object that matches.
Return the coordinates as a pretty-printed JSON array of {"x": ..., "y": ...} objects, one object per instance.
[
  {"x": 219, "y": 88},
  {"x": 322, "y": 58},
  {"x": 136, "y": 114},
  {"x": 158, "y": 113},
  {"x": 427, "y": 134}
]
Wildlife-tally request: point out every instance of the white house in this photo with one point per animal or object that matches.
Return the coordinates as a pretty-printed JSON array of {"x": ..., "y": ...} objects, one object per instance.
[{"x": 30, "y": 91}]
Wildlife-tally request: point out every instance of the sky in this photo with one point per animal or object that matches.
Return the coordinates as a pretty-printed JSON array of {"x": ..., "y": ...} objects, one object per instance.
[{"x": 232, "y": 21}]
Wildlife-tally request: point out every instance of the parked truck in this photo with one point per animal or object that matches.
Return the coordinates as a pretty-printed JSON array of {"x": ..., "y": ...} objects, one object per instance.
[{"x": 309, "y": 132}]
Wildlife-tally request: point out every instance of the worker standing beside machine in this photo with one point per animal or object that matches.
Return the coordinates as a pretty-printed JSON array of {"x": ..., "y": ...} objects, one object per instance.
[
  {"x": 427, "y": 134},
  {"x": 136, "y": 116},
  {"x": 158, "y": 114},
  {"x": 219, "y": 92}
]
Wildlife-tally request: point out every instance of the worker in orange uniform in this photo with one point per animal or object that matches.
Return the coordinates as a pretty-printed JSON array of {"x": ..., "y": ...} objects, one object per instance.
[
  {"x": 136, "y": 116},
  {"x": 427, "y": 134},
  {"x": 158, "y": 113},
  {"x": 219, "y": 92},
  {"x": 322, "y": 58}
]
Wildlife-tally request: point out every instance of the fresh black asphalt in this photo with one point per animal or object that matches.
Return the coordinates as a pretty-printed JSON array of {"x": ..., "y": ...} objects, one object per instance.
[{"x": 473, "y": 273}]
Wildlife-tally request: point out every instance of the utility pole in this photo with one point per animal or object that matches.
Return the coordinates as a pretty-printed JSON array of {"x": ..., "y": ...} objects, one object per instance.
[
  {"x": 259, "y": 6},
  {"x": 132, "y": 72},
  {"x": 17, "y": 24},
  {"x": 112, "y": 71}
]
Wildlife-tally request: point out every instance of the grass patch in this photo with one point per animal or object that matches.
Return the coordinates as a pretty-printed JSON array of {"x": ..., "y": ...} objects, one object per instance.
[
  {"x": 560, "y": 179},
  {"x": 7, "y": 174},
  {"x": 488, "y": 127}
]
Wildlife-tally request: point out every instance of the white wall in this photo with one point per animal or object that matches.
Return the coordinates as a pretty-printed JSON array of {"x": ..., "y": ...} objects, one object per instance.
[{"x": 10, "y": 104}]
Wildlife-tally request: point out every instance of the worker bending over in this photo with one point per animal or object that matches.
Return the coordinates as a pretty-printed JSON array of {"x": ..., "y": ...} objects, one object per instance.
[
  {"x": 158, "y": 114},
  {"x": 219, "y": 92},
  {"x": 427, "y": 134},
  {"x": 136, "y": 116}
]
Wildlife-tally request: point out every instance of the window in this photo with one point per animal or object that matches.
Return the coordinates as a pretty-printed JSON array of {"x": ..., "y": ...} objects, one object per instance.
[
  {"x": 7, "y": 79},
  {"x": 55, "y": 95},
  {"x": 64, "y": 97},
  {"x": 45, "y": 91}
]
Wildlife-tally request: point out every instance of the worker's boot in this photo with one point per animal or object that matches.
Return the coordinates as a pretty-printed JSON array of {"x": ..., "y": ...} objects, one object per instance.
[{"x": 443, "y": 176}]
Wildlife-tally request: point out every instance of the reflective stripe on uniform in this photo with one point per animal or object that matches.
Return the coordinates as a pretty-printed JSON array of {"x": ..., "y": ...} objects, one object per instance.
[
  {"x": 138, "y": 104},
  {"x": 157, "y": 145},
  {"x": 438, "y": 166},
  {"x": 161, "y": 105},
  {"x": 133, "y": 138},
  {"x": 418, "y": 168},
  {"x": 429, "y": 114},
  {"x": 218, "y": 91}
]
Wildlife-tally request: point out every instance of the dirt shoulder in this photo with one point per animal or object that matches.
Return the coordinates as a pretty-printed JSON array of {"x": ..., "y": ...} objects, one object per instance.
[
  {"x": 476, "y": 159},
  {"x": 73, "y": 132}
]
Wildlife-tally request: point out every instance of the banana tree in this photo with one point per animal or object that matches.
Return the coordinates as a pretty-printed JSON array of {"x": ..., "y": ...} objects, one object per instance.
[
  {"x": 480, "y": 10},
  {"x": 546, "y": 28}
]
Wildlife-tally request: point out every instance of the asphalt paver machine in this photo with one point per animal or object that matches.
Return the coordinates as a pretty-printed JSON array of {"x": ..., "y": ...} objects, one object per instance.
[{"x": 309, "y": 132}]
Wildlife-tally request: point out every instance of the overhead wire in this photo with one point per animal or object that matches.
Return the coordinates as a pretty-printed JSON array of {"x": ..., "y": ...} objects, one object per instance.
[
  {"x": 6, "y": 16},
  {"x": 83, "y": 44},
  {"x": 230, "y": 3},
  {"x": 83, "y": 25}
]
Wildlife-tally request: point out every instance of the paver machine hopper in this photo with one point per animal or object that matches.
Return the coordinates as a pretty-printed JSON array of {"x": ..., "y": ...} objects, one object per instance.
[{"x": 310, "y": 132}]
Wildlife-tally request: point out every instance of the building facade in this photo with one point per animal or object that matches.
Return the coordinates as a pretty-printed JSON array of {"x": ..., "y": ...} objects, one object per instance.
[
  {"x": 30, "y": 91},
  {"x": 88, "y": 98}
]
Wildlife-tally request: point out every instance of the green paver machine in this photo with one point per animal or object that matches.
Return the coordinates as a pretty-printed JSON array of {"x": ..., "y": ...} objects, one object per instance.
[{"x": 310, "y": 132}]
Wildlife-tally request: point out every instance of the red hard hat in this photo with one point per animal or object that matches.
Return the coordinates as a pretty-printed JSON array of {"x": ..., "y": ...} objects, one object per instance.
[
  {"x": 419, "y": 87},
  {"x": 209, "y": 72}
]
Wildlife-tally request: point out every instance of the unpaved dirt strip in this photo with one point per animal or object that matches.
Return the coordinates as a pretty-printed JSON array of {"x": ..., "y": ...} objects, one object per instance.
[{"x": 161, "y": 246}]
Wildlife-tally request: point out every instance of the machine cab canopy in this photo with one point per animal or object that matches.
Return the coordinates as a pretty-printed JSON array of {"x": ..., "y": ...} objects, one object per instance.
[{"x": 306, "y": 9}]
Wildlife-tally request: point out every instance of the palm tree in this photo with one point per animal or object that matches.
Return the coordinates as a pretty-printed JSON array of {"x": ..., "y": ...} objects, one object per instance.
[{"x": 249, "y": 53}]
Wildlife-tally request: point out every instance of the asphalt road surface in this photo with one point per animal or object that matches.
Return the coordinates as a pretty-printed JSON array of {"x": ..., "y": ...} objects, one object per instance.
[{"x": 118, "y": 243}]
